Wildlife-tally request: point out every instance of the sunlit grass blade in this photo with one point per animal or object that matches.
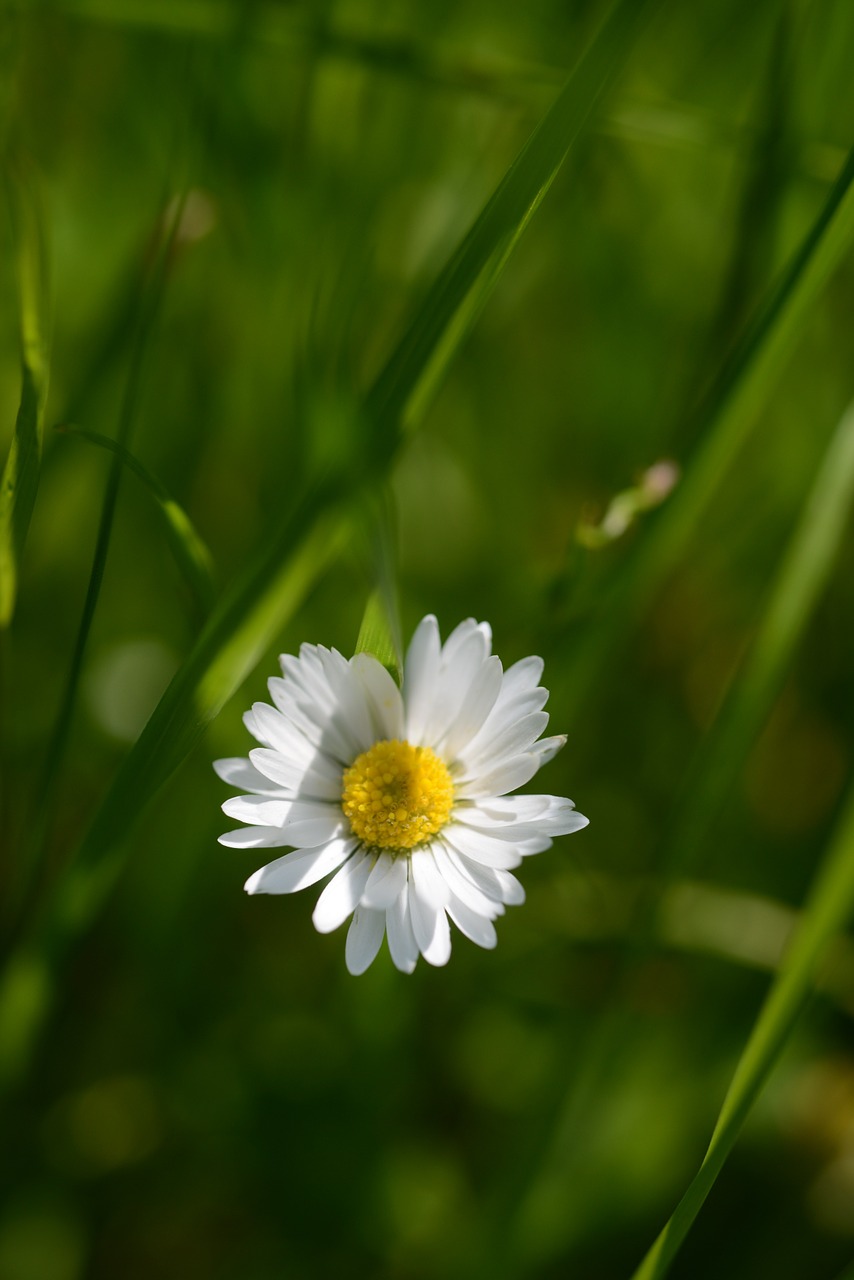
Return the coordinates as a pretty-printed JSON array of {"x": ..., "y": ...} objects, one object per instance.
[
  {"x": 830, "y": 906},
  {"x": 253, "y": 611},
  {"x": 20, "y": 479},
  {"x": 455, "y": 299},
  {"x": 28, "y": 868},
  {"x": 380, "y": 631},
  {"x": 725, "y": 419},
  {"x": 803, "y": 574},
  {"x": 191, "y": 554}
]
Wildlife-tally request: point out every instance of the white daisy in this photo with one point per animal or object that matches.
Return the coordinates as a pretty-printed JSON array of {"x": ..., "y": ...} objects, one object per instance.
[{"x": 404, "y": 794}]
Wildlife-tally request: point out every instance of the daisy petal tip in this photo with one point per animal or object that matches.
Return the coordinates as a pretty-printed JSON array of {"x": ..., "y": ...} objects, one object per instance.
[{"x": 253, "y": 884}]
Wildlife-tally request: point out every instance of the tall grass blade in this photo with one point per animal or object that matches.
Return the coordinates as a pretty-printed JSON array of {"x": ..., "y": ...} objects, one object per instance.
[
  {"x": 249, "y": 616},
  {"x": 29, "y": 868},
  {"x": 725, "y": 419},
  {"x": 191, "y": 554},
  {"x": 802, "y": 576},
  {"x": 830, "y": 906},
  {"x": 20, "y": 479},
  {"x": 464, "y": 284},
  {"x": 380, "y": 632},
  {"x": 803, "y": 573}
]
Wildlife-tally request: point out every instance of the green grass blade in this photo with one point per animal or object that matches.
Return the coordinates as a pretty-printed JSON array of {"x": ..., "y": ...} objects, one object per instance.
[
  {"x": 29, "y": 868},
  {"x": 463, "y": 286},
  {"x": 725, "y": 419},
  {"x": 20, "y": 478},
  {"x": 191, "y": 554},
  {"x": 830, "y": 906},
  {"x": 380, "y": 633},
  {"x": 375, "y": 635},
  {"x": 801, "y": 578}
]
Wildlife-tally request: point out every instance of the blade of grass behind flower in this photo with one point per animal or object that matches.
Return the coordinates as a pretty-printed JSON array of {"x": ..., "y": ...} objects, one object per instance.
[
  {"x": 802, "y": 575},
  {"x": 729, "y": 412},
  {"x": 380, "y": 632},
  {"x": 191, "y": 554},
  {"x": 310, "y": 533},
  {"x": 20, "y": 478},
  {"x": 29, "y": 868},
  {"x": 416, "y": 367},
  {"x": 830, "y": 906},
  {"x": 800, "y": 580}
]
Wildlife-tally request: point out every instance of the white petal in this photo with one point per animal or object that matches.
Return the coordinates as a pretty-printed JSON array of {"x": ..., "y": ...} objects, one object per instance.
[
  {"x": 401, "y": 939},
  {"x": 483, "y": 878},
  {"x": 476, "y": 927},
  {"x": 477, "y": 703},
  {"x": 323, "y": 781},
  {"x": 512, "y": 891},
  {"x": 549, "y": 747},
  {"x": 300, "y": 869},
  {"x": 425, "y": 878},
  {"x": 558, "y": 817},
  {"x": 521, "y": 677},
  {"x": 260, "y": 811},
  {"x": 507, "y": 776},
  {"x": 502, "y": 717},
  {"x": 488, "y": 850},
  {"x": 420, "y": 674},
  {"x": 458, "y": 638},
  {"x": 255, "y": 838},
  {"x": 461, "y": 885},
  {"x": 502, "y": 811},
  {"x": 364, "y": 939},
  {"x": 275, "y": 730},
  {"x": 341, "y": 896},
  {"x": 351, "y": 716},
  {"x": 456, "y": 677},
  {"x": 313, "y": 831},
  {"x": 238, "y": 772},
  {"x": 385, "y": 881},
  {"x": 431, "y": 929},
  {"x": 384, "y": 700},
  {"x": 316, "y": 721},
  {"x": 512, "y": 741}
]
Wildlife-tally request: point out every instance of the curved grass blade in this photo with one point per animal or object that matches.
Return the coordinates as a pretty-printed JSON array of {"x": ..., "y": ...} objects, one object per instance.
[
  {"x": 830, "y": 906},
  {"x": 802, "y": 576},
  {"x": 30, "y": 867},
  {"x": 191, "y": 554},
  {"x": 249, "y": 616},
  {"x": 457, "y": 296},
  {"x": 803, "y": 573},
  {"x": 728, "y": 413},
  {"x": 20, "y": 478}
]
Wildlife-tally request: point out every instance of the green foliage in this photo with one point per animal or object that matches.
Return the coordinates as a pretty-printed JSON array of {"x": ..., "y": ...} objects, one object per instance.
[
  {"x": 20, "y": 478},
  {"x": 300, "y": 298}
]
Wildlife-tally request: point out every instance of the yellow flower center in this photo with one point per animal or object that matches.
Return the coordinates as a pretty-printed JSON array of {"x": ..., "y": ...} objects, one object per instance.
[{"x": 397, "y": 795}]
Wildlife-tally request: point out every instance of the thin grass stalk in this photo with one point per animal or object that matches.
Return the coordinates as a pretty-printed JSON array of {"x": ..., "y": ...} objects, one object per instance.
[
  {"x": 830, "y": 906},
  {"x": 44, "y": 799},
  {"x": 730, "y": 411},
  {"x": 803, "y": 573}
]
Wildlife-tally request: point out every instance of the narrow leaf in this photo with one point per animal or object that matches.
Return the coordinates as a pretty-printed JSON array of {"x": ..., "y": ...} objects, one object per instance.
[
  {"x": 830, "y": 906},
  {"x": 20, "y": 478},
  {"x": 727, "y": 416},
  {"x": 800, "y": 580},
  {"x": 190, "y": 551}
]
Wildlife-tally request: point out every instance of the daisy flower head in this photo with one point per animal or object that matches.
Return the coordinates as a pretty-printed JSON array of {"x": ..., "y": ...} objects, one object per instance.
[{"x": 405, "y": 794}]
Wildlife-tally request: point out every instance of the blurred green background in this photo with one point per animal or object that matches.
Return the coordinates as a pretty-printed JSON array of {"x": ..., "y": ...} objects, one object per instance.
[{"x": 214, "y": 1095}]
